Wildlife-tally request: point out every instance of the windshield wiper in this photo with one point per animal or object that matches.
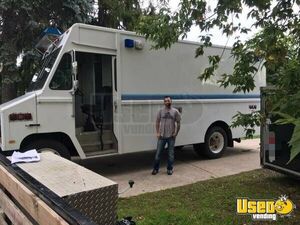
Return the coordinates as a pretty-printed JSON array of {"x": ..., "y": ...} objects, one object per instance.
[{"x": 52, "y": 49}]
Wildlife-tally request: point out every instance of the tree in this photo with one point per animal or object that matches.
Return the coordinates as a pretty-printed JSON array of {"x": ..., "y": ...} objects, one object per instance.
[
  {"x": 20, "y": 25},
  {"x": 276, "y": 47},
  {"x": 122, "y": 14},
  {"x": 8, "y": 45}
]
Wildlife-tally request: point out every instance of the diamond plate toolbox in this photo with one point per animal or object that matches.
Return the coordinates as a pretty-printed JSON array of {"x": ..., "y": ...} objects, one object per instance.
[
  {"x": 91, "y": 194},
  {"x": 99, "y": 205}
]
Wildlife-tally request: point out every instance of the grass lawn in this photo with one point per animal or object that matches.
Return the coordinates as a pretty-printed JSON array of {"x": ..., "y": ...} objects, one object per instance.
[{"x": 213, "y": 201}]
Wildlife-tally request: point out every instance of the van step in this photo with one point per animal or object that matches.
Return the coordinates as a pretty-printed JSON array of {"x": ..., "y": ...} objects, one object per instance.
[
  {"x": 107, "y": 142},
  {"x": 97, "y": 147},
  {"x": 104, "y": 152},
  {"x": 94, "y": 136},
  {"x": 93, "y": 132}
]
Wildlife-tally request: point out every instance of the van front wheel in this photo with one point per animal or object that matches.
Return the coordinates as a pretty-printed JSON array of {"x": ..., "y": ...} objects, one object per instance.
[
  {"x": 215, "y": 142},
  {"x": 50, "y": 146}
]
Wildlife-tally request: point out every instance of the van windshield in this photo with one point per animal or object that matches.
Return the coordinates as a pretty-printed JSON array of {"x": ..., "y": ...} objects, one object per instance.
[{"x": 39, "y": 79}]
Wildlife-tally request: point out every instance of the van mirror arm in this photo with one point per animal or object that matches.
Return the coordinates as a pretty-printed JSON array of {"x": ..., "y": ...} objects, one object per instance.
[
  {"x": 74, "y": 74},
  {"x": 74, "y": 69},
  {"x": 75, "y": 85}
]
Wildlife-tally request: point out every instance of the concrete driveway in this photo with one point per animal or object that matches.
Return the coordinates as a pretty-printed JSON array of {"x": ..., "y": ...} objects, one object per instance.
[{"x": 189, "y": 167}]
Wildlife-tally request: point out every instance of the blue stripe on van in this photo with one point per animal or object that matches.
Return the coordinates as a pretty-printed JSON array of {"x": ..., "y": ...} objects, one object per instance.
[{"x": 187, "y": 96}]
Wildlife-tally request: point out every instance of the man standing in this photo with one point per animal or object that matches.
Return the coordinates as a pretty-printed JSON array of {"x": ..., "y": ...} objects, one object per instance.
[{"x": 167, "y": 128}]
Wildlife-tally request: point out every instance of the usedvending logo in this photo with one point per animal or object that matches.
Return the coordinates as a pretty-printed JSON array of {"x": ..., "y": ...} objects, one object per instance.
[{"x": 265, "y": 209}]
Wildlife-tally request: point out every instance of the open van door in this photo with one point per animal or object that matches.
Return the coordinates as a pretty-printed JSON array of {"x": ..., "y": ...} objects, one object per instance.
[{"x": 116, "y": 104}]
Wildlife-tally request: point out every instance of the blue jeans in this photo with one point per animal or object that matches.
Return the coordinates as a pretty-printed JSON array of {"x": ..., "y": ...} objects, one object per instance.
[{"x": 161, "y": 143}]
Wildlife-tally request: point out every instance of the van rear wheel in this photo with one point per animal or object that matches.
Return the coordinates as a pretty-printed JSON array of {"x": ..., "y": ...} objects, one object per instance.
[
  {"x": 50, "y": 146},
  {"x": 215, "y": 142}
]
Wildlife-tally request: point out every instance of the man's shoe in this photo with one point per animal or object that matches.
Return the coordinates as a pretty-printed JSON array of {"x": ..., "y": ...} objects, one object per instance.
[
  {"x": 170, "y": 172},
  {"x": 154, "y": 172}
]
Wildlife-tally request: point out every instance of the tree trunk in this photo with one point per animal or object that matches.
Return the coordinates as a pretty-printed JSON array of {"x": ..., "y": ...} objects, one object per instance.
[{"x": 8, "y": 87}]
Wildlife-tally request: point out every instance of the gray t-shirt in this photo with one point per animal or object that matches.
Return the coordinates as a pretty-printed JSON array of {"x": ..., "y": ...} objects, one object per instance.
[{"x": 167, "y": 118}]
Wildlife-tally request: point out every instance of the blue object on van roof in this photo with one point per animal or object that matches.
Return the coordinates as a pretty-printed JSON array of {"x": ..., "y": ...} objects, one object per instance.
[
  {"x": 52, "y": 31},
  {"x": 129, "y": 43}
]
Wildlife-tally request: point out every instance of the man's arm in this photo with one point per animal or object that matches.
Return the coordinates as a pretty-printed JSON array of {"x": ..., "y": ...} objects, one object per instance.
[
  {"x": 178, "y": 119},
  {"x": 157, "y": 124},
  {"x": 177, "y": 128}
]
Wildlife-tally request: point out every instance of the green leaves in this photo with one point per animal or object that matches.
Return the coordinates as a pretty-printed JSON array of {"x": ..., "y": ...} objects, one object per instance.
[
  {"x": 165, "y": 27},
  {"x": 121, "y": 14},
  {"x": 199, "y": 51},
  {"x": 160, "y": 28},
  {"x": 209, "y": 71},
  {"x": 248, "y": 121},
  {"x": 295, "y": 140}
]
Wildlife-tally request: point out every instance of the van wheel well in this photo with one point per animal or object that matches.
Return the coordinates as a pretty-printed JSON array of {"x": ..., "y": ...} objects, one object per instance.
[
  {"x": 226, "y": 128},
  {"x": 58, "y": 136}
]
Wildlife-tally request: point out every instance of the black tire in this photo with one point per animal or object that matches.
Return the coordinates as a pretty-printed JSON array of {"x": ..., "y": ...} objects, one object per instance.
[
  {"x": 50, "y": 145},
  {"x": 216, "y": 142}
]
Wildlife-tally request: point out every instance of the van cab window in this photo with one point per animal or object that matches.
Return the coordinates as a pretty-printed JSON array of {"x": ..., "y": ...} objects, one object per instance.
[
  {"x": 62, "y": 79},
  {"x": 40, "y": 77}
]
